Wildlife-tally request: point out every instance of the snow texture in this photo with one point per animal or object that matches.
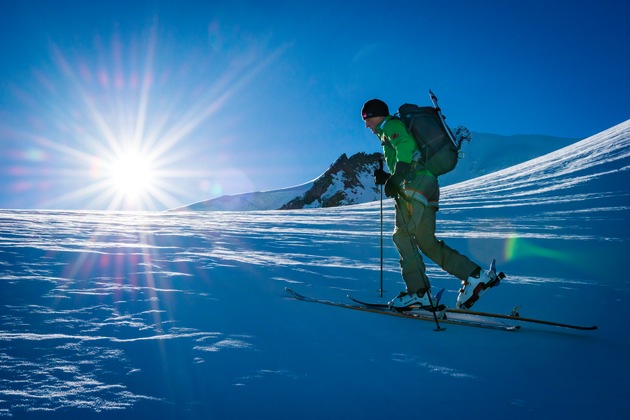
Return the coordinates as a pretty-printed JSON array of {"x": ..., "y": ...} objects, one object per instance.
[{"x": 184, "y": 314}]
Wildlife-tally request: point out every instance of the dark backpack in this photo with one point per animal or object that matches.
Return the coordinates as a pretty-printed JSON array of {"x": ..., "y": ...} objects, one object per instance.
[{"x": 439, "y": 147}]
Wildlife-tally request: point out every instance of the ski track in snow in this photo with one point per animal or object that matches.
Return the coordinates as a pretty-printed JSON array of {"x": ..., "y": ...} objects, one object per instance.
[{"x": 102, "y": 310}]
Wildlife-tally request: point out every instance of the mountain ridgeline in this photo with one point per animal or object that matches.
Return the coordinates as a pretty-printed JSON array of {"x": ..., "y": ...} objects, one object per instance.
[{"x": 349, "y": 180}]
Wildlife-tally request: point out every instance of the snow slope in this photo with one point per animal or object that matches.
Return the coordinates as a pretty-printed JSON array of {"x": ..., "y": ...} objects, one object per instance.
[
  {"x": 263, "y": 200},
  {"x": 184, "y": 314},
  {"x": 567, "y": 174},
  {"x": 488, "y": 153}
]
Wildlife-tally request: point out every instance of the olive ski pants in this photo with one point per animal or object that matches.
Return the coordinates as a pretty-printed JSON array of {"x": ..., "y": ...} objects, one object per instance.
[{"x": 415, "y": 228}]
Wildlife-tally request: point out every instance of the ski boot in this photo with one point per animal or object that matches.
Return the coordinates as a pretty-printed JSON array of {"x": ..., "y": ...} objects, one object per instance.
[
  {"x": 405, "y": 300},
  {"x": 475, "y": 286}
]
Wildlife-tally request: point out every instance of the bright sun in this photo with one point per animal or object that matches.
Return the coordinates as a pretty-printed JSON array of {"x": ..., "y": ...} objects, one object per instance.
[{"x": 132, "y": 174}]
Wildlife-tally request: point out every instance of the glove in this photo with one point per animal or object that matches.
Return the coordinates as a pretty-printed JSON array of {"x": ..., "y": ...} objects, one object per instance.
[
  {"x": 393, "y": 184},
  {"x": 380, "y": 176},
  {"x": 392, "y": 188}
]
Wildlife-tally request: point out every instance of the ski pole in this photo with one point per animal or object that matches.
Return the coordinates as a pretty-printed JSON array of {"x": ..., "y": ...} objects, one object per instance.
[
  {"x": 414, "y": 246},
  {"x": 380, "y": 165}
]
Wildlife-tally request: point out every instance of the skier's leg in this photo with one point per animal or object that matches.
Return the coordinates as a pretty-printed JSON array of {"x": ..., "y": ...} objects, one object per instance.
[
  {"x": 411, "y": 264},
  {"x": 446, "y": 257}
]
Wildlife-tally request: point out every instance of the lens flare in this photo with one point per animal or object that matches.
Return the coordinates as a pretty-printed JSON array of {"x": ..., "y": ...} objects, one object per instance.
[{"x": 518, "y": 248}]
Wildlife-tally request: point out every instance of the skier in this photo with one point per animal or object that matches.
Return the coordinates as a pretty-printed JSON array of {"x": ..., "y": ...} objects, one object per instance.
[{"x": 417, "y": 194}]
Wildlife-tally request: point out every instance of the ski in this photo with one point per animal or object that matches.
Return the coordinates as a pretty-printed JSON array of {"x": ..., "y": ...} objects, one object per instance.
[
  {"x": 519, "y": 318},
  {"x": 417, "y": 314},
  {"x": 512, "y": 317}
]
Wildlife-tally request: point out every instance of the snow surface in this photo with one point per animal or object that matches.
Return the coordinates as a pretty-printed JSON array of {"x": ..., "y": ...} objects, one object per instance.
[{"x": 184, "y": 314}]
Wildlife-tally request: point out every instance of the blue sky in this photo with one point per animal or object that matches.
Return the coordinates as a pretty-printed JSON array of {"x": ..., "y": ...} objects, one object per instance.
[{"x": 157, "y": 104}]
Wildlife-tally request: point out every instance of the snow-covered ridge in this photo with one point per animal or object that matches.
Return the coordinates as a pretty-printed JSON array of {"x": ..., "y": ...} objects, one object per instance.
[
  {"x": 571, "y": 173},
  {"x": 264, "y": 200},
  {"x": 347, "y": 181},
  {"x": 495, "y": 161}
]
